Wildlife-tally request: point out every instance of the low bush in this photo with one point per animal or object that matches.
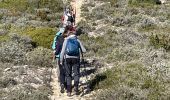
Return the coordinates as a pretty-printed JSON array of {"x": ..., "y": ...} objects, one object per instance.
[
  {"x": 147, "y": 25},
  {"x": 131, "y": 81},
  {"x": 84, "y": 26},
  {"x": 7, "y": 82},
  {"x": 40, "y": 57},
  {"x": 41, "y": 36},
  {"x": 160, "y": 41},
  {"x": 28, "y": 93},
  {"x": 142, "y": 3},
  {"x": 28, "y": 5},
  {"x": 4, "y": 38},
  {"x": 14, "y": 50}
]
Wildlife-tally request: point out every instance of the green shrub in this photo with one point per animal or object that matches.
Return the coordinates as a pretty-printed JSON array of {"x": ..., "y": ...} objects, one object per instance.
[
  {"x": 41, "y": 36},
  {"x": 84, "y": 26},
  {"x": 160, "y": 41},
  {"x": 20, "y": 5},
  {"x": 142, "y": 3},
  {"x": 4, "y": 38},
  {"x": 28, "y": 93},
  {"x": 6, "y": 82},
  {"x": 14, "y": 51},
  {"x": 23, "y": 5},
  {"x": 40, "y": 57},
  {"x": 131, "y": 81}
]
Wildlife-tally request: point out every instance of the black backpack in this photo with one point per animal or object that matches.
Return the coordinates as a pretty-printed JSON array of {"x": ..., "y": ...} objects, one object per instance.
[
  {"x": 70, "y": 19},
  {"x": 59, "y": 43}
]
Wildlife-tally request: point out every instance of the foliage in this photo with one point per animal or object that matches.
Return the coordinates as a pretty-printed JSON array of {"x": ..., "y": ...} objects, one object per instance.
[
  {"x": 142, "y": 3},
  {"x": 130, "y": 81},
  {"x": 14, "y": 50},
  {"x": 4, "y": 38},
  {"x": 160, "y": 41},
  {"x": 147, "y": 24},
  {"x": 40, "y": 57},
  {"x": 84, "y": 26},
  {"x": 6, "y": 82},
  {"x": 41, "y": 36},
  {"x": 28, "y": 93},
  {"x": 23, "y": 5}
]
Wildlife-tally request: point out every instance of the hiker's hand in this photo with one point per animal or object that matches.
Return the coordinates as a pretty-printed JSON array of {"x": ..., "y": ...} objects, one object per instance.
[{"x": 53, "y": 61}]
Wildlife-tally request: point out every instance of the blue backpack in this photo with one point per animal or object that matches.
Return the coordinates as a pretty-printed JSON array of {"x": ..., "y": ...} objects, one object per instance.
[{"x": 72, "y": 47}]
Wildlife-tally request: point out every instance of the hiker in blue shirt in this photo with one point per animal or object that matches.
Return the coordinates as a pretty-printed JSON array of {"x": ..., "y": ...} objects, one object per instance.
[{"x": 57, "y": 46}]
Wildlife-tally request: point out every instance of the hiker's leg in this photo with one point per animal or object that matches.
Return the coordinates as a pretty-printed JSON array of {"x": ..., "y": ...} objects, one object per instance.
[
  {"x": 68, "y": 71},
  {"x": 76, "y": 71},
  {"x": 61, "y": 73},
  {"x": 58, "y": 68}
]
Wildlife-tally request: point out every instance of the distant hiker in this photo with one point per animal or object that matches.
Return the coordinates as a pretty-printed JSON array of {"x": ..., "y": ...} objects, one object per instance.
[
  {"x": 57, "y": 46},
  {"x": 71, "y": 50},
  {"x": 73, "y": 12},
  {"x": 68, "y": 16}
]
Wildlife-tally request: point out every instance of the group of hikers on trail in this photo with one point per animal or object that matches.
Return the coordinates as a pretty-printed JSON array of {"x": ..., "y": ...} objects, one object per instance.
[{"x": 67, "y": 53}]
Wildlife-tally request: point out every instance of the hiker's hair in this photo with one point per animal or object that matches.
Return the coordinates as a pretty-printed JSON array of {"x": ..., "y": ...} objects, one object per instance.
[
  {"x": 65, "y": 32},
  {"x": 70, "y": 33}
]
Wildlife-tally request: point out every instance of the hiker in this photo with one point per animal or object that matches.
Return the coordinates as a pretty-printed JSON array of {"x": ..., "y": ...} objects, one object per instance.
[
  {"x": 73, "y": 11},
  {"x": 68, "y": 16},
  {"x": 71, "y": 50},
  {"x": 57, "y": 46}
]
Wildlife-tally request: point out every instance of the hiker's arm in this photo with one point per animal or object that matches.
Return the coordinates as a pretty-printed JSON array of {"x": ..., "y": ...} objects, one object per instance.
[
  {"x": 54, "y": 43},
  {"x": 81, "y": 46},
  {"x": 63, "y": 51}
]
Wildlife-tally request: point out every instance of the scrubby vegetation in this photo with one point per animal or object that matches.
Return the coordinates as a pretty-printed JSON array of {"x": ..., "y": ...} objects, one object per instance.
[
  {"x": 160, "y": 41},
  {"x": 143, "y": 3},
  {"x": 130, "y": 81},
  {"x": 27, "y": 29},
  {"x": 129, "y": 38},
  {"x": 132, "y": 39},
  {"x": 41, "y": 36},
  {"x": 28, "y": 5}
]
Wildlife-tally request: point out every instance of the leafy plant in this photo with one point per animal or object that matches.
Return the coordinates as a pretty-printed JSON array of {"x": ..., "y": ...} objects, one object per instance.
[
  {"x": 40, "y": 57},
  {"x": 41, "y": 36},
  {"x": 160, "y": 41}
]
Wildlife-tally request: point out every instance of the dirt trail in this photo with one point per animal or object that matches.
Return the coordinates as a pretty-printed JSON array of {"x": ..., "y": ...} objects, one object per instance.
[
  {"x": 76, "y": 4},
  {"x": 54, "y": 83}
]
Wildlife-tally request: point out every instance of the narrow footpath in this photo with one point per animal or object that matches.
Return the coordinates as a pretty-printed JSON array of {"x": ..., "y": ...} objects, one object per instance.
[{"x": 54, "y": 83}]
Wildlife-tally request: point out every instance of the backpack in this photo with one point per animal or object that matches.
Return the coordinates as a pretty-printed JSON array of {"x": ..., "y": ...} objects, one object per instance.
[
  {"x": 72, "y": 47},
  {"x": 59, "y": 44},
  {"x": 71, "y": 19}
]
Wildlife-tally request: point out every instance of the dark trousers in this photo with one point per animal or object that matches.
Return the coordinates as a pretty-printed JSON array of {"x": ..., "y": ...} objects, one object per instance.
[
  {"x": 61, "y": 73},
  {"x": 72, "y": 65}
]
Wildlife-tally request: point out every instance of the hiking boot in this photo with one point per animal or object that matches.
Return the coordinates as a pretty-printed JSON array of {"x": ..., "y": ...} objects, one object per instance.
[
  {"x": 62, "y": 88},
  {"x": 69, "y": 94},
  {"x": 76, "y": 90}
]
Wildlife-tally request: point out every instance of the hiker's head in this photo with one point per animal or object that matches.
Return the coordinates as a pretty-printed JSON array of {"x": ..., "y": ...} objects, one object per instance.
[
  {"x": 65, "y": 32},
  {"x": 70, "y": 33}
]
